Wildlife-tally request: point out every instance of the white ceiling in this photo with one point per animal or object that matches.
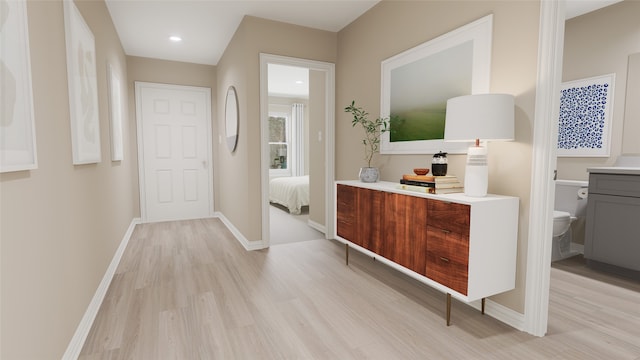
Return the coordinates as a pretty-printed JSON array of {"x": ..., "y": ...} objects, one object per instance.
[
  {"x": 207, "y": 26},
  {"x": 581, "y": 7},
  {"x": 288, "y": 81}
]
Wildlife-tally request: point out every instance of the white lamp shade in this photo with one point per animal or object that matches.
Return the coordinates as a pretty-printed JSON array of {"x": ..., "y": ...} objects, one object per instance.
[{"x": 482, "y": 116}]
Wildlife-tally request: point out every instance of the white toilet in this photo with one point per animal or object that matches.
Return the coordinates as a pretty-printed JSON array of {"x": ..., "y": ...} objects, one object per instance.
[
  {"x": 570, "y": 205},
  {"x": 561, "y": 246}
]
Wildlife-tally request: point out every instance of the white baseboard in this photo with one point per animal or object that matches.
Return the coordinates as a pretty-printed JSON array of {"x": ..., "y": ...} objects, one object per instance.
[
  {"x": 501, "y": 313},
  {"x": 82, "y": 331},
  {"x": 248, "y": 245},
  {"x": 317, "y": 226}
]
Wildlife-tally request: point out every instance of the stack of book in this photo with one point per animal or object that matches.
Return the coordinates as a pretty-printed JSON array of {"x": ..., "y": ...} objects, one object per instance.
[{"x": 431, "y": 184}]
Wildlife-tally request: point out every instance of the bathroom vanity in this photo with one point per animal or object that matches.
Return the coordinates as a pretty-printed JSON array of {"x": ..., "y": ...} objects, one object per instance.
[{"x": 612, "y": 238}]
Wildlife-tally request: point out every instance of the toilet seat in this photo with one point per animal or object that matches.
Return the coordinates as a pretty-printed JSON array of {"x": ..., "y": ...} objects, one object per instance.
[{"x": 561, "y": 222}]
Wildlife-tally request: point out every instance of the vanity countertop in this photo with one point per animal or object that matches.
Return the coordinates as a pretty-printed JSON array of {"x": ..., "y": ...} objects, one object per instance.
[{"x": 619, "y": 170}]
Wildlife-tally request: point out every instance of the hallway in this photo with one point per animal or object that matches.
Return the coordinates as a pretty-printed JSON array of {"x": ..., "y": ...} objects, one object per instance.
[{"x": 188, "y": 290}]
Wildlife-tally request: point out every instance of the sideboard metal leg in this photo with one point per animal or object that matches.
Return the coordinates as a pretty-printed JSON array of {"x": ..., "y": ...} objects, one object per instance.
[
  {"x": 448, "y": 309},
  {"x": 346, "y": 251},
  {"x": 483, "y": 301}
]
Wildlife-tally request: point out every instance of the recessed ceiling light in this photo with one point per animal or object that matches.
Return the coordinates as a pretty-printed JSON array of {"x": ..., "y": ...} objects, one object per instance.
[
  {"x": 175, "y": 38},
  {"x": 299, "y": 82}
]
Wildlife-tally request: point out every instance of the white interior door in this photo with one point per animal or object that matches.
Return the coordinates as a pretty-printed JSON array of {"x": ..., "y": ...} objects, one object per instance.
[{"x": 174, "y": 151}]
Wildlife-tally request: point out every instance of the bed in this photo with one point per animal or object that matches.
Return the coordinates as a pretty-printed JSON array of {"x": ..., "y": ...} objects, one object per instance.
[{"x": 291, "y": 192}]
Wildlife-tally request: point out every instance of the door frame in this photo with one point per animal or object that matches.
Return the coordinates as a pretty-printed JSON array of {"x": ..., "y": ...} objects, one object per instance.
[
  {"x": 544, "y": 160},
  {"x": 139, "y": 86},
  {"x": 329, "y": 136}
]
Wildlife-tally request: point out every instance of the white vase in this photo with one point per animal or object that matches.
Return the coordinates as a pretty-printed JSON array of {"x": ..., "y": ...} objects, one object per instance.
[{"x": 369, "y": 174}]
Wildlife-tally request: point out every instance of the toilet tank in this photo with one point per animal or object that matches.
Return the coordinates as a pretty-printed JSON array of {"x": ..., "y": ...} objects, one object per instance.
[{"x": 571, "y": 196}]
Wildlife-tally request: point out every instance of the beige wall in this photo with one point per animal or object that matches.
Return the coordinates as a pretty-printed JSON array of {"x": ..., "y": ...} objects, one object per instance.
[
  {"x": 395, "y": 26},
  {"x": 596, "y": 44},
  {"x": 234, "y": 169},
  {"x": 61, "y": 223},
  {"x": 631, "y": 130},
  {"x": 165, "y": 72},
  {"x": 317, "y": 147},
  {"x": 238, "y": 186}
]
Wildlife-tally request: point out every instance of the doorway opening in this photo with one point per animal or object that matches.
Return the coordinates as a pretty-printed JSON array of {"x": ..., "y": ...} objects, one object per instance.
[{"x": 297, "y": 122}]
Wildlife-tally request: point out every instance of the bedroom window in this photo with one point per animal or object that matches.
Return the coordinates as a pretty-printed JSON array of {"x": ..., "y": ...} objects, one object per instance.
[{"x": 280, "y": 143}]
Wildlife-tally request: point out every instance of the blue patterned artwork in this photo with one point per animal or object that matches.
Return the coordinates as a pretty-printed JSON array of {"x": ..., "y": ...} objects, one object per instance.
[{"x": 585, "y": 113}]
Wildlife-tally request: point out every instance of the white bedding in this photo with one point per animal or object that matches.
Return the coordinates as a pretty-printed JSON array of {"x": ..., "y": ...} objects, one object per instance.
[{"x": 291, "y": 192}]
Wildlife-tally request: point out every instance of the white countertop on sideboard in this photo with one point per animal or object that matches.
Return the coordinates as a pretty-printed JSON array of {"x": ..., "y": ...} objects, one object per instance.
[{"x": 394, "y": 187}]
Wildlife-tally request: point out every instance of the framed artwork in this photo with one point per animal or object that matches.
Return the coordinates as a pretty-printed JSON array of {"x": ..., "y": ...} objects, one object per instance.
[
  {"x": 115, "y": 114},
  {"x": 83, "y": 89},
  {"x": 417, "y": 83},
  {"x": 17, "y": 124},
  {"x": 584, "y": 126},
  {"x": 231, "y": 118}
]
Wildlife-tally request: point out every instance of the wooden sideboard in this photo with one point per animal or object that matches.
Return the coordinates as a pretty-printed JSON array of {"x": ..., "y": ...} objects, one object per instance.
[{"x": 463, "y": 246}]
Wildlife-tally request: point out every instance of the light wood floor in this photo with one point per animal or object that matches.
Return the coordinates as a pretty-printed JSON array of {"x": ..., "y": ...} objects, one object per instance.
[{"x": 188, "y": 290}]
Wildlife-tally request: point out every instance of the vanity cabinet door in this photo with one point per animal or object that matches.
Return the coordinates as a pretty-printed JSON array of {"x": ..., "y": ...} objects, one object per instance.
[
  {"x": 448, "y": 258},
  {"x": 613, "y": 231}
]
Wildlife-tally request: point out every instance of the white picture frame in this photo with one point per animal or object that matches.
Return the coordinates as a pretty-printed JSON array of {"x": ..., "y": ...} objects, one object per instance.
[
  {"x": 418, "y": 82},
  {"x": 116, "y": 114},
  {"x": 17, "y": 120},
  {"x": 584, "y": 123},
  {"x": 83, "y": 89}
]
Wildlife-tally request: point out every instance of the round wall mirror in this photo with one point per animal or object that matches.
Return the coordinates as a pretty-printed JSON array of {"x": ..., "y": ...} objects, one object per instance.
[{"x": 231, "y": 118}]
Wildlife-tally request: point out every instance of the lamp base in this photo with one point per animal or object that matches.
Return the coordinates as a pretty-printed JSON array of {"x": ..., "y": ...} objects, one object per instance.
[{"x": 476, "y": 175}]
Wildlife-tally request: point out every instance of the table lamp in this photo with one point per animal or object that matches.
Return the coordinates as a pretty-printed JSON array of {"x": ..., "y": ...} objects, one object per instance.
[{"x": 486, "y": 117}]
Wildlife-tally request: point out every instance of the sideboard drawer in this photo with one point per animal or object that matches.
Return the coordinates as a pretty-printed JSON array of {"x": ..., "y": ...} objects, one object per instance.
[
  {"x": 448, "y": 258},
  {"x": 449, "y": 216}
]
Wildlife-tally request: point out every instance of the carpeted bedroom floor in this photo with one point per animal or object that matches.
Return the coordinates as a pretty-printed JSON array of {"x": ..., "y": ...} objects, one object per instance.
[{"x": 287, "y": 228}]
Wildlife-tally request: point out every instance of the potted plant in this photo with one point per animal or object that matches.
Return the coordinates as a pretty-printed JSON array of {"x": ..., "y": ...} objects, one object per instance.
[{"x": 372, "y": 129}]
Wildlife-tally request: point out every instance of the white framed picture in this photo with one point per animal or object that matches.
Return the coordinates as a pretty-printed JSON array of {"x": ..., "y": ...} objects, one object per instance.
[
  {"x": 115, "y": 113},
  {"x": 83, "y": 89},
  {"x": 584, "y": 124},
  {"x": 417, "y": 83},
  {"x": 17, "y": 122}
]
